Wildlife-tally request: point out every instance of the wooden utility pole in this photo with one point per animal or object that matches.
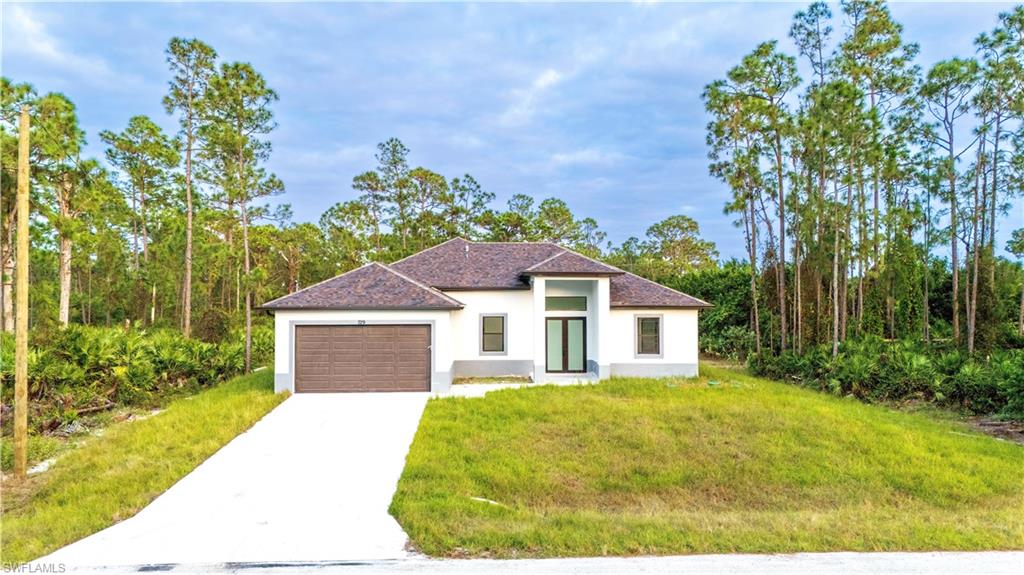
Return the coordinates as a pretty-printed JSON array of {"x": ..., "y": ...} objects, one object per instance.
[{"x": 21, "y": 308}]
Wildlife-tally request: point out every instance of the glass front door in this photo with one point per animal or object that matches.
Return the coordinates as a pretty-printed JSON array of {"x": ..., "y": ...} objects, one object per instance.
[{"x": 566, "y": 344}]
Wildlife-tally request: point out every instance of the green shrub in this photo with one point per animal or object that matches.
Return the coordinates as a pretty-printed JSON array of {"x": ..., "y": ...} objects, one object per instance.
[
  {"x": 874, "y": 369},
  {"x": 855, "y": 375},
  {"x": 1010, "y": 367},
  {"x": 81, "y": 367},
  {"x": 902, "y": 373},
  {"x": 734, "y": 343}
]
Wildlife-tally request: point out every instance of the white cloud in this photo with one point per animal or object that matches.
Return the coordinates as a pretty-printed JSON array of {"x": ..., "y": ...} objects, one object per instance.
[
  {"x": 586, "y": 156},
  {"x": 465, "y": 141},
  {"x": 679, "y": 34},
  {"x": 324, "y": 158},
  {"x": 27, "y": 35},
  {"x": 525, "y": 100},
  {"x": 548, "y": 78}
]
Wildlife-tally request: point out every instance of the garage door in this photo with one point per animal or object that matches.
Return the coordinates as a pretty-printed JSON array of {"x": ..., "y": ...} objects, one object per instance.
[{"x": 362, "y": 358}]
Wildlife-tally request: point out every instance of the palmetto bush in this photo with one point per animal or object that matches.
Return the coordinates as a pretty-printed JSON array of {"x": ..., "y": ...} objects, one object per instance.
[
  {"x": 82, "y": 368},
  {"x": 855, "y": 374},
  {"x": 901, "y": 373},
  {"x": 873, "y": 369},
  {"x": 1009, "y": 367}
]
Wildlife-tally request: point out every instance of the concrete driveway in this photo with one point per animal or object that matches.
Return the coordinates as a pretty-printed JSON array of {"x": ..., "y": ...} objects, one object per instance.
[{"x": 311, "y": 481}]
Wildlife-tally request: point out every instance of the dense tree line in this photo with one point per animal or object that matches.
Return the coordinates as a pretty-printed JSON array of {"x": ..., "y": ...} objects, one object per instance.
[
  {"x": 176, "y": 230},
  {"x": 868, "y": 197},
  {"x": 853, "y": 185},
  {"x": 118, "y": 232}
]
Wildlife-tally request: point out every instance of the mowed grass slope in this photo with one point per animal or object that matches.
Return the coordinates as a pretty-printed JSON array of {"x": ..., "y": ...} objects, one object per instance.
[
  {"x": 113, "y": 476},
  {"x": 647, "y": 466}
]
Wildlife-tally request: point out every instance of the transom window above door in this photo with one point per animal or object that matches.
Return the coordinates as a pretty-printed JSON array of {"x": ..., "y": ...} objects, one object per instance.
[
  {"x": 565, "y": 303},
  {"x": 492, "y": 334}
]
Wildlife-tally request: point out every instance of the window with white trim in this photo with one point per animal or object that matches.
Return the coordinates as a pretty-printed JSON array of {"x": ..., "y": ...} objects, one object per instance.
[
  {"x": 648, "y": 335},
  {"x": 492, "y": 334}
]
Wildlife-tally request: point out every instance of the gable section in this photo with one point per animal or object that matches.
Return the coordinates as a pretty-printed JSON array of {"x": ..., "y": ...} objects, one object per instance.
[
  {"x": 632, "y": 291},
  {"x": 570, "y": 263},
  {"x": 373, "y": 286}
]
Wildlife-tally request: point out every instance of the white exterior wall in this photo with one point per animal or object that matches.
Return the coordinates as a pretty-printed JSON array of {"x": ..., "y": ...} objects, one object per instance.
[
  {"x": 284, "y": 339},
  {"x": 517, "y": 305},
  {"x": 611, "y": 334},
  {"x": 678, "y": 343}
]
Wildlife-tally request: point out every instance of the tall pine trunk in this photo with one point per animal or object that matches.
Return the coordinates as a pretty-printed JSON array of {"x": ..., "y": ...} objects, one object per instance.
[
  {"x": 955, "y": 256},
  {"x": 995, "y": 195},
  {"x": 976, "y": 214},
  {"x": 751, "y": 226},
  {"x": 248, "y": 289},
  {"x": 64, "y": 255},
  {"x": 144, "y": 226},
  {"x": 862, "y": 253},
  {"x": 926, "y": 319},
  {"x": 875, "y": 186},
  {"x": 782, "y": 240},
  {"x": 244, "y": 212},
  {"x": 835, "y": 280},
  {"x": 64, "y": 275},
  {"x": 186, "y": 289}
]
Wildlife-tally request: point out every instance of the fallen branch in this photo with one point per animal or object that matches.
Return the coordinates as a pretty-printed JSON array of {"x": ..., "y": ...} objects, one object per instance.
[{"x": 95, "y": 408}]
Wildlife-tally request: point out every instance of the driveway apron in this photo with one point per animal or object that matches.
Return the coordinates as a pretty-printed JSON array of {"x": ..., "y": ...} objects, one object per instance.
[{"x": 311, "y": 481}]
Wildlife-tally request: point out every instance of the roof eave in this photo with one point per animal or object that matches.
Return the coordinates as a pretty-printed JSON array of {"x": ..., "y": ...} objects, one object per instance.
[
  {"x": 573, "y": 274},
  {"x": 483, "y": 288},
  {"x": 656, "y": 306},
  {"x": 360, "y": 308}
]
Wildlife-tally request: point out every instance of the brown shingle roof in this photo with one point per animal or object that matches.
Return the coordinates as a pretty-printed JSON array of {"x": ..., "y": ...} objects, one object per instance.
[
  {"x": 633, "y": 291},
  {"x": 460, "y": 264},
  {"x": 373, "y": 286},
  {"x": 571, "y": 264}
]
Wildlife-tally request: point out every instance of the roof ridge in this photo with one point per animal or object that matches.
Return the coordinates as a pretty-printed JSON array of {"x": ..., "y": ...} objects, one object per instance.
[
  {"x": 435, "y": 246},
  {"x": 540, "y": 243},
  {"x": 668, "y": 288},
  {"x": 596, "y": 261},
  {"x": 575, "y": 253},
  {"x": 421, "y": 284},
  {"x": 546, "y": 260},
  {"x": 311, "y": 286}
]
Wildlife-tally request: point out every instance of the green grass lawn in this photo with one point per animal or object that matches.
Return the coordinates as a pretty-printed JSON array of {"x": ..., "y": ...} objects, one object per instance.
[
  {"x": 648, "y": 466},
  {"x": 113, "y": 476},
  {"x": 40, "y": 448}
]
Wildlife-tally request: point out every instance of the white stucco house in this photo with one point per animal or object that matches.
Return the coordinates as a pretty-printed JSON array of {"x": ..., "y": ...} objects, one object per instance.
[{"x": 479, "y": 309}]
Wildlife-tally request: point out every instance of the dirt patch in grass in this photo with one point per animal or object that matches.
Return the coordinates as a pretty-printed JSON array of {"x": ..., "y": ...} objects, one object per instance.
[
  {"x": 725, "y": 463},
  {"x": 1008, "y": 430},
  {"x": 503, "y": 379}
]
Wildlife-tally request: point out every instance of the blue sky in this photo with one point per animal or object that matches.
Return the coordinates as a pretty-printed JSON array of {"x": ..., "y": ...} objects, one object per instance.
[{"x": 596, "y": 104}]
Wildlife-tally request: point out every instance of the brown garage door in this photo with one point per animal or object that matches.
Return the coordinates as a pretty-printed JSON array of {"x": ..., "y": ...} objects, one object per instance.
[{"x": 362, "y": 358}]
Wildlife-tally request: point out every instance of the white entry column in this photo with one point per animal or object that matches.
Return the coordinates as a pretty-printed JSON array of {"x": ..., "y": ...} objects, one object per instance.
[
  {"x": 603, "y": 327},
  {"x": 539, "y": 336}
]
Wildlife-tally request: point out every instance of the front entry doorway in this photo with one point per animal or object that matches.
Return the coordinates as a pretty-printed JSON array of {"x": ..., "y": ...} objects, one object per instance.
[{"x": 566, "y": 344}]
